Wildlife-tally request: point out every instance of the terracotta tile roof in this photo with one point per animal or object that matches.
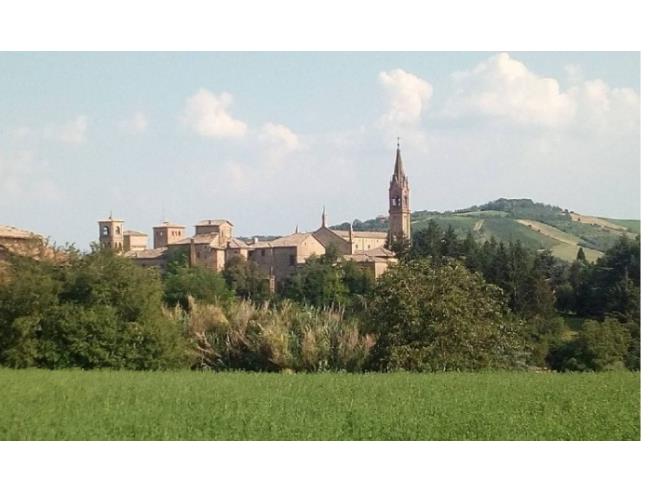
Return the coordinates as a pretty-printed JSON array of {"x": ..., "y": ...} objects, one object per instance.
[
  {"x": 207, "y": 222},
  {"x": 367, "y": 234},
  {"x": 212, "y": 239},
  {"x": 237, "y": 243},
  {"x": 291, "y": 240},
  {"x": 135, "y": 233},
  {"x": 376, "y": 255},
  {"x": 148, "y": 254}
]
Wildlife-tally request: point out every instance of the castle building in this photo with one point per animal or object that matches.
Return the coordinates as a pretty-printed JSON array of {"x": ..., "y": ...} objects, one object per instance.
[
  {"x": 213, "y": 243},
  {"x": 399, "y": 210}
]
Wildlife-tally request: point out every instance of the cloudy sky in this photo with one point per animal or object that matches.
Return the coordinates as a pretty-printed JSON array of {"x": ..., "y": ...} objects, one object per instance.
[{"x": 266, "y": 139}]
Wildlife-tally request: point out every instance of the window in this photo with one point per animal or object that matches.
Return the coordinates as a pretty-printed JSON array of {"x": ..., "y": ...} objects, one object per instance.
[
  {"x": 263, "y": 252},
  {"x": 105, "y": 230},
  {"x": 117, "y": 230}
]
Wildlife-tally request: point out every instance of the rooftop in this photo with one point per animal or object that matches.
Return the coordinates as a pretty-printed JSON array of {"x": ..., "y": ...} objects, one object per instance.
[
  {"x": 367, "y": 234},
  {"x": 207, "y": 222},
  {"x": 135, "y": 233},
  {"x": 149, "y": 254},
  {"x": 168, "y": 224},
  {"x": 376, "y": 255},
  {"x": 291, "y": 240}
]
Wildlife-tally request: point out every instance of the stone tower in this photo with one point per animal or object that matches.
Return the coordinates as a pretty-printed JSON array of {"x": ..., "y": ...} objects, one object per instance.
[
  {"x": 399, "y": 211},
  {"x": 111, "y": 233}
]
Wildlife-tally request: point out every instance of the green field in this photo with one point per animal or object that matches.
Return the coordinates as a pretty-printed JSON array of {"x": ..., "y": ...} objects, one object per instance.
[
  {"x": 104, "y": 405},
  {"x": 633, "y": 225}
]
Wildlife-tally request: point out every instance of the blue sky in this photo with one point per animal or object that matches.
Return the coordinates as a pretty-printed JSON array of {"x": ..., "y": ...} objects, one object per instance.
[{"x": 265, "y": 139}]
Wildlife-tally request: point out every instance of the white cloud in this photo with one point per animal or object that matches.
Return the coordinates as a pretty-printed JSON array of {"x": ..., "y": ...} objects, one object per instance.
[
  {"x": 207, "y": 114},
  {"x": 504, "y": 89},
  {"x": 73, "y": 132},
  {"x": 137, "y": 123},
  {"x": 407, "y": 96},
  {"x": 604, "y": 109},
  {"x": 279, "y": 137}
]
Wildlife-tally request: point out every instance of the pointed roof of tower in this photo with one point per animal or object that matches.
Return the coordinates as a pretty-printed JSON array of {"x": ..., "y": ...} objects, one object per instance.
[{"x": 399, "y": 171}]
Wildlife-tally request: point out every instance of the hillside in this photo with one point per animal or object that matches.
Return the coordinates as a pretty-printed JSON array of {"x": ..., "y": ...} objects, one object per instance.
[{"x": 535, "y": 225}]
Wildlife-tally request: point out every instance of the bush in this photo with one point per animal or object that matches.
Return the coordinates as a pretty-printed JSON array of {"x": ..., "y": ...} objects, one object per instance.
[
  {"x": 598, "y": 346},
  {"x": 242, "y": 335},
  {"x": 99, "y": 310},
  {"x": 197, "y": 282},
  {"x": 443, "y": 318}
]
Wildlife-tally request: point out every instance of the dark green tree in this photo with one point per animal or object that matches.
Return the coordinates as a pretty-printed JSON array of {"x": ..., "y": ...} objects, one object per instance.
[{"x": 430, "y": 318}]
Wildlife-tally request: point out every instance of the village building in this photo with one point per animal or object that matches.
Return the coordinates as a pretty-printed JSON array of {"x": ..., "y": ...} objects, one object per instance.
[
  {"x": 213, "y": 243},
  {"x": 135, "y": 241}
]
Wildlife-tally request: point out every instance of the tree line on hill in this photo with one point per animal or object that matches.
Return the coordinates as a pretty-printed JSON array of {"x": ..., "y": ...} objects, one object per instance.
[{"x": 449, "y": 304}]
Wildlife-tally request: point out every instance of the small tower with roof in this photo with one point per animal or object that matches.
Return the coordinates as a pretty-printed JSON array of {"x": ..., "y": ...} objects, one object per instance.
[{"x": 111, "y": 233}]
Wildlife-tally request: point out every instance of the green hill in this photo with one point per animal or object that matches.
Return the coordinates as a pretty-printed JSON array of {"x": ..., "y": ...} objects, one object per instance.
[{"x": 535, "y": 225}]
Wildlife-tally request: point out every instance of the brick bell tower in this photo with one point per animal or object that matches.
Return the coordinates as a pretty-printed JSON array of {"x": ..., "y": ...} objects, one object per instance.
[{"x": 399, "y": 210}]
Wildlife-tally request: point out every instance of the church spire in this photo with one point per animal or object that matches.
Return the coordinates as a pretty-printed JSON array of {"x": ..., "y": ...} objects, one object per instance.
[
  {"x": 399, "y": 211},
  {"x": 399, "y": 171}
]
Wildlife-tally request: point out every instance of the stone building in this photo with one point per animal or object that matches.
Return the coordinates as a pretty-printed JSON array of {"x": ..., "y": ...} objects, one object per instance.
[
  {"x": 135, "y": 241},
  {"x": 281, "y": 257},
  {"x": 167, "y": 233},
  {"x": 213, "y": 242}
]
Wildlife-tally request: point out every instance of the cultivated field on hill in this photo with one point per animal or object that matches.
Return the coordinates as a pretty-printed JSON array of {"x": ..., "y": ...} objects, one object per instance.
[
  {"x": 536, "y": 225},
  {"x": 104, "y": 405}
]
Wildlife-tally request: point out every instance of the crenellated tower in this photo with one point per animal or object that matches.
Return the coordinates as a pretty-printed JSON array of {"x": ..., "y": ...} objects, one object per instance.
[{"x": 399, "y": 210}]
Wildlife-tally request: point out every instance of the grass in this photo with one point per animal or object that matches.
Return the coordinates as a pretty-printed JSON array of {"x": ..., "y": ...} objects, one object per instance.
[
  {"x": 104, "y": 405},
  {"x": 633, "y": 225}
]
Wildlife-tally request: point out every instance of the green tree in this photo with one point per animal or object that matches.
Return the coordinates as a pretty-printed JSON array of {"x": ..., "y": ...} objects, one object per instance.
[
  {"x": 318, "y": 283},
  {"x": 96, "y": 310},
  {"x": 198, "y": 282},
  {"x": 247, "y": 279},
  {"x": 440, "y": 318},
  {"x": 598, "y": 346}
]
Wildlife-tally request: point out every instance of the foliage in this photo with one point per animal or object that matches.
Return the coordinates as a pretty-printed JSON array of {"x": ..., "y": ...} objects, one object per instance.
[
  {"x": 99, "y": 310},
  {"x": 524, "y": 276},
  {"x": 183, "y": 405},
  {"x": 326, "y": 281},
  {"x": 246, "y": 279},
  {"x": 598, "y": 346},
  {"x": 244, "y": 335},
  {"x": 609, "y": 287},
  {"x": 440, "y": 318},
  {"x": 198, "y": 282}
]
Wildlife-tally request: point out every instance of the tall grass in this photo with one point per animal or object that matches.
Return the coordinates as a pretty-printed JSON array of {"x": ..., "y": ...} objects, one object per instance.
[{"x": 287, "y": 337}]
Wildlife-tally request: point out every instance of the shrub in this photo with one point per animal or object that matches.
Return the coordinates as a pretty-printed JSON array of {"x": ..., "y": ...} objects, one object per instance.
[
  {"x": 99, "y": 310},
  {"x": 431, "y": 318},
  {"x": 598, "y": 346},
  {"x": 242, "y": 335}
]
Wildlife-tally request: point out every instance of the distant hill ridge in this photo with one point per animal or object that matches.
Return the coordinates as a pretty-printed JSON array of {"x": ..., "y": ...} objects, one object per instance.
[{"x": 535, "y": 225}]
